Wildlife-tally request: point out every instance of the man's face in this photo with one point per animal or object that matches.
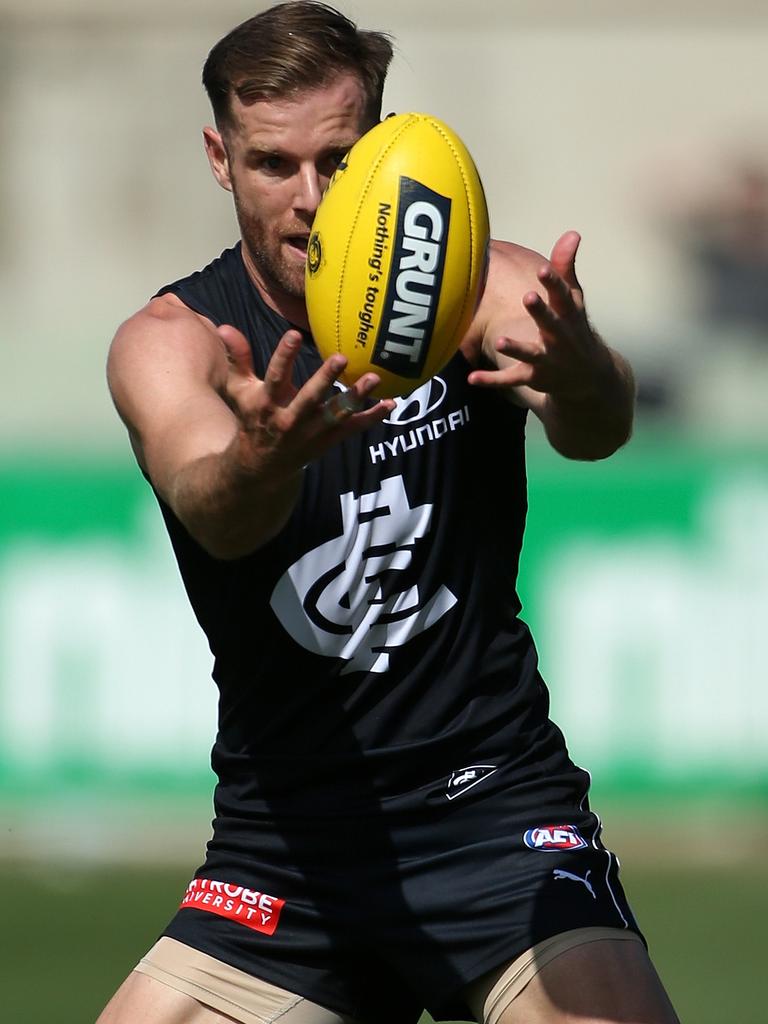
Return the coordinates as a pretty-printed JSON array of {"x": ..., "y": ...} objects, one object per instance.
[{"x": 277, "y": 159}]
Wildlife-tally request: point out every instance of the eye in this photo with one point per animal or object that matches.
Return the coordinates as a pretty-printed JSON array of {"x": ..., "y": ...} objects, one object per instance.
[
  {"x": 272, "y": 163},
  {"x": 332, "y": 161}
]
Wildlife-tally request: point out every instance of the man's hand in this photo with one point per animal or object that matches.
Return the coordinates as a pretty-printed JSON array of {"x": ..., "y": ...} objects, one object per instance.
[
  {"x": 542, "y": 348},
  {"x": 555, "y": 351},
  {"x": 236, "y": 500},
  {"x": 223, "y": 448},
  {"x": 282, "y": 428}
]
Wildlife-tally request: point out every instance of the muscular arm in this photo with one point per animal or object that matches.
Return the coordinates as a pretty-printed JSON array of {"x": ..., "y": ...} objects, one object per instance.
[
  {"x": 223, "y": 448},
  {"x": 532, "y": 330}
]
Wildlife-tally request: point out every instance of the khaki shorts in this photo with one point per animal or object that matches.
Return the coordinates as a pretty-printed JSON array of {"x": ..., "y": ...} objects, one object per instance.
[{"x": 250, "y": 1000}]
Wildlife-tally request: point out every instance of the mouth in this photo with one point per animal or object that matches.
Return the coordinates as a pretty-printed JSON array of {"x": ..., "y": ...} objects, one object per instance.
[{"x": 298, "y": 245}]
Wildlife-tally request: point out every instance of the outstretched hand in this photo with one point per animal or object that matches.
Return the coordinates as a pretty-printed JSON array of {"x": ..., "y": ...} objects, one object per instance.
[
  {"x": 283, "y": 427},
  {"x": 547, "y": 346},
  {"x": 545, "y": 354}
]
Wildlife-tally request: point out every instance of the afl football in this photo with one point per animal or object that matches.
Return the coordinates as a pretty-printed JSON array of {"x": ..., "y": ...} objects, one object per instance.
[{"x": 397, "y": 255}]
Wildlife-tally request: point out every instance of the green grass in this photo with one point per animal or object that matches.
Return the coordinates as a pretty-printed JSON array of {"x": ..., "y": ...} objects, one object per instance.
[
  {"x": 706, "y": 932},
  {"x": 70, "y": 936}
]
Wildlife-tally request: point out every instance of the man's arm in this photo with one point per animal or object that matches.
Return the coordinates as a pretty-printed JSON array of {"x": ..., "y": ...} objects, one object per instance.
[
  {"x": 532, "y": 329},
  {"x": 224, "y": 448}
]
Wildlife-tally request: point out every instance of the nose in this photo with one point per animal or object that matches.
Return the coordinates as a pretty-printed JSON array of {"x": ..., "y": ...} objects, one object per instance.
[{"x": 309, "y": 189}]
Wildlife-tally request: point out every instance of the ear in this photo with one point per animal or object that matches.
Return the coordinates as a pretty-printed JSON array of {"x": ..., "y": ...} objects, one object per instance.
[{"x": 217, "y": 157}]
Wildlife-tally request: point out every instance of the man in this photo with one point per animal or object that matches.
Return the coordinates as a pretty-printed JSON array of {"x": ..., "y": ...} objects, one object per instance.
[{"x": 398, "y": 824}]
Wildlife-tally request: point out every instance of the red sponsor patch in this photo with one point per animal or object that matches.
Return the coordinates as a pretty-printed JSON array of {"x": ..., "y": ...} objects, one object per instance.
[{"x": 250, "y": 907}]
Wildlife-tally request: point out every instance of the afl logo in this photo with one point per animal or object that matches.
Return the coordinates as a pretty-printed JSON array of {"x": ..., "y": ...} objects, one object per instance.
[
  {"x": 419, "y": 404},
  {"x": 314, "y": 253},
  {"x": 554, "y": 838}
]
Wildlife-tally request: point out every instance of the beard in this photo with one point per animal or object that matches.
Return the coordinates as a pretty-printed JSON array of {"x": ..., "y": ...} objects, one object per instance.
[{"x": 278, "y": 271}]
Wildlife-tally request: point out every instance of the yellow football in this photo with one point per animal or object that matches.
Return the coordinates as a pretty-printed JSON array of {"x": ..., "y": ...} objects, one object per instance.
[{"x": 398, "y": 253}]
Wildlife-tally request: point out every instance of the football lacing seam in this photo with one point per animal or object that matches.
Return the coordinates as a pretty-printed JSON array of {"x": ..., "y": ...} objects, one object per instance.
[{"x": 365, "y": 190}]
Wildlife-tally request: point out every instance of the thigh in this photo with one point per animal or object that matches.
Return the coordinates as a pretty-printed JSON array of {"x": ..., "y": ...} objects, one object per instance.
[
  {"x": 176, "y": 984},
  {"x": 141, "y": 998},
  {"x": 589, "y": 976}
]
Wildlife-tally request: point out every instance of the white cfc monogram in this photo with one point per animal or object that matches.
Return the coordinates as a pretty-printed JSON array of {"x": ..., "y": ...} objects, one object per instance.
[{"x": 332, "y": 602}]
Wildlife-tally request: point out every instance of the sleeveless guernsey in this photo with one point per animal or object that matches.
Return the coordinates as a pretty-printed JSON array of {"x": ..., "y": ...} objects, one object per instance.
[
  {"x": 395, "y": 812},
  {"x": 373, "y": 648}
]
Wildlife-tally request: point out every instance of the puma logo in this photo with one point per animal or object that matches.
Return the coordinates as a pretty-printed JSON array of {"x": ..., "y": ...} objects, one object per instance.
[{"x": 576, "y": 878}]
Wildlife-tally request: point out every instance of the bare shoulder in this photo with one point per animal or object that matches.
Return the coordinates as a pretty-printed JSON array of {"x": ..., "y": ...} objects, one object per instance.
[
  {"x": 514, "y": 265},
  {"x": 167, "y": 372},
  {"x": 160, "y": 315},
  {"x": 512, "y": 271},
  {"x": 164, "y": 346},
  {"x": 166, "y": 324}
]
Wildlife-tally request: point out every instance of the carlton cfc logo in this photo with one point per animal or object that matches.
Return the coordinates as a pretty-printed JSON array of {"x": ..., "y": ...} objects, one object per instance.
[{"x": 554, "y": 838}]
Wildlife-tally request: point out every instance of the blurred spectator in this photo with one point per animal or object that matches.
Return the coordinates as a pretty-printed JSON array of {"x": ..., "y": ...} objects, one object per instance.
[
  {"x": 710, "y": 372},
  {"x": 727, "y": 238}
]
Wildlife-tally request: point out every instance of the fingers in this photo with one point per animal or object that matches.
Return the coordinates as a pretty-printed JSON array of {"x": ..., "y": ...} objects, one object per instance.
[
  {"x": 545, "y": 315},
  {"x": 278, "y": 377},
  {"x": 284, "y": 425},
  {"x": 564, "y": 298},
  {"x": 352, "y": 407},
  {"x": 510, "y": 377},
  {"x": 339, "y": 408},
  {"x": 359, "y": 393},
  {"x": 309, "y": 412},
  {"x": 241, "y": 377},
  {"x": 277, "y": 389},
  {"x": 563, "y": 257},
  {"x": 238, "y": 350},
  {"x": 314, "y": 393},
  {"x": 313, "y": 398},
  {"x": 361, "y": 421},
  {"x": 553, "y": 342}
]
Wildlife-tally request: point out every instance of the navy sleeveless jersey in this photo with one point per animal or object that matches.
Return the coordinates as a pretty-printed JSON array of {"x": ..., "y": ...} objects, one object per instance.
[{"x": 373, "y": 648}]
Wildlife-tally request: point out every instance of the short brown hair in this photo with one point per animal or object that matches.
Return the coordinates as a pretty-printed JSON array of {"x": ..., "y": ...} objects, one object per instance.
[{"x": 292, "y": 47}]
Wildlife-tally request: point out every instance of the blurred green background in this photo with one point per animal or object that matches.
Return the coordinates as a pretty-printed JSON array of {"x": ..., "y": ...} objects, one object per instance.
[{"x": 645, "y": 578}]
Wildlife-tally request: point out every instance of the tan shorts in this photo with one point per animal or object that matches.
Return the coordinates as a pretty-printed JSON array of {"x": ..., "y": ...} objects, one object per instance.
[{"x": 253, "y": 1001}]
